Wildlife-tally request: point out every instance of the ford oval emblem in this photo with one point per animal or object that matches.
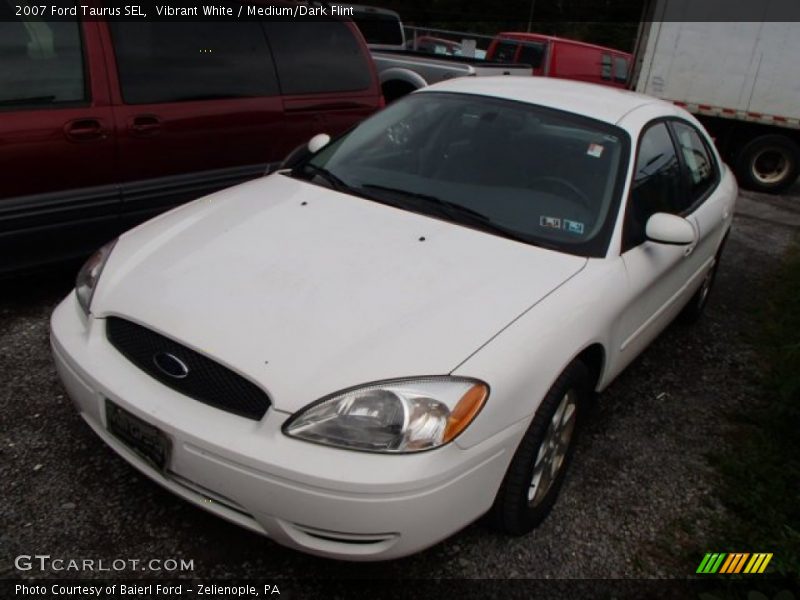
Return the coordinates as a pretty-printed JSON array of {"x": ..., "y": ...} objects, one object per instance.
[{"x": 171, "y": 365}]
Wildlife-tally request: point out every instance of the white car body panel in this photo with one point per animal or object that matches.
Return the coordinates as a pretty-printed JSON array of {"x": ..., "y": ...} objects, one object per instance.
[
  {"x": 306, "y": 291},
  {"x": 333, "y": 293}
]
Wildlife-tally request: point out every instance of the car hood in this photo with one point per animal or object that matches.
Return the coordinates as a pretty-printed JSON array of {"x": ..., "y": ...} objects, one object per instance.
[{"x": 307, "y": 291}]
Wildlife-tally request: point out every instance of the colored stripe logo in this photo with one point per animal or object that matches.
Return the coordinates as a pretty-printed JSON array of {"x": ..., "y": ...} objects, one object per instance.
[{"x": 734, "y": 562}]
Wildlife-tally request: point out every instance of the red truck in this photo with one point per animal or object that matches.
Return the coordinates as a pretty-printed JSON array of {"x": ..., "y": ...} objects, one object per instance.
[
  {"x": 104, "y": 124},
  {"x": 552, "y": 56}
]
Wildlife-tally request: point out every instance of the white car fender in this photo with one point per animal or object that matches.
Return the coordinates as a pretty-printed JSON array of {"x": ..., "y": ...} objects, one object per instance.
[{"x": 523, "y": 360}]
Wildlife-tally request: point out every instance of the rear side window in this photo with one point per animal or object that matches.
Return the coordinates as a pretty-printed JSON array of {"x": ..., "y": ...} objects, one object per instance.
[
  {"x": 605, "y": 67},
  {"x": 504, "y": 52},
  {"x": 175, "y": 62},
  {"x": 42, "y": 62},
  {"x": 620, "y": 69},
  {"x": 698, "y": 160},
  {"x": 657, "y": 184},
  {"x": 317, "y": 57},
  {"x": 531, "y": 54}
]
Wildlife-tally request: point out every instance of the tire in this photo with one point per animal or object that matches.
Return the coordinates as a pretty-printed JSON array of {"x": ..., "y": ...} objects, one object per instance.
[
  {"x": 394, "y": 89},
  {"x": 695, "y": 308},
  {"x": 519, "y": 506},
  {"x": 768, "y": 163}
]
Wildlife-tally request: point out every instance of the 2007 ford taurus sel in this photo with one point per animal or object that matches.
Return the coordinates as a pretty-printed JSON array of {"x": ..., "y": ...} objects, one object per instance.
[{"x": 399, "y": 332}]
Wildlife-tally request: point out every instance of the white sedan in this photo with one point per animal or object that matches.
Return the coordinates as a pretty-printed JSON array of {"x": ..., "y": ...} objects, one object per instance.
[{"x": 366, "y": 351}]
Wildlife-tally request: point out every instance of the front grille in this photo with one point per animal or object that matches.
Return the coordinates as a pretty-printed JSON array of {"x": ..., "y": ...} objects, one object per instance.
[{"x": 205, "y": 380}]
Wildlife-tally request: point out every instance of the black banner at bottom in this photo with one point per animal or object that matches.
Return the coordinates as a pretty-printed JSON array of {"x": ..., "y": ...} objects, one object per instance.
[{"x": 752, "y": 588}]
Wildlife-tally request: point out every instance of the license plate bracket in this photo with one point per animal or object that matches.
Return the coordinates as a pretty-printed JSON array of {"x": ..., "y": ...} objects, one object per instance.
[{"x": 146, "y": 440}]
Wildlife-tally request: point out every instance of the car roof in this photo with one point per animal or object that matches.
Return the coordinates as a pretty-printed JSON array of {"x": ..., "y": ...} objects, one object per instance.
[{"x": 600, "y": 102}]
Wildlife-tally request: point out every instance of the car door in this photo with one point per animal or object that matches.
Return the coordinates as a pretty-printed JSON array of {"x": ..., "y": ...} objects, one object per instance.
[
  {"x": 197, "y": 108},
  {"x": 58, "y": 197},
  {"x": 661, "y": 277}
]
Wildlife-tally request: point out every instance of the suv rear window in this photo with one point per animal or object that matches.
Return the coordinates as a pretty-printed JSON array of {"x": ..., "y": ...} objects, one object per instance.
[
  {"x": 42, "y": 62},
  {"x": 317, "y": 57},
  {"x": 174, "y": 62}
]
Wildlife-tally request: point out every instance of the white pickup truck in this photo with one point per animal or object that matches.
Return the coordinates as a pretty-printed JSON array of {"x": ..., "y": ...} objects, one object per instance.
[
  {"x": 740, "y": 78},
  {"x": 402, "y": 71}
]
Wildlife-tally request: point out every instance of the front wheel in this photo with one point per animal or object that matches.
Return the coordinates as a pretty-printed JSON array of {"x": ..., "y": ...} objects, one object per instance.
[{"x": 537, "y": 471}]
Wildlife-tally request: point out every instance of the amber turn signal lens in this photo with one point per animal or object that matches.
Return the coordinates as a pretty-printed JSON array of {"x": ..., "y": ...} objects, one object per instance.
[{"x": 465, "y": 411}]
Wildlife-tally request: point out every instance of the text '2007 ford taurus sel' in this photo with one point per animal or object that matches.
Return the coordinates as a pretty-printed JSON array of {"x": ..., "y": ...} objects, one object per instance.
[{"x": 398, "y": 333}]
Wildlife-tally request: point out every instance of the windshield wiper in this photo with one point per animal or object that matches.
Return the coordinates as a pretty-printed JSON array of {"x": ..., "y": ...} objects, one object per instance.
[
  {"x": 465, "y": 215},
  {"x": 323, "y": 173},
  {"x": 450, "y": 208}
]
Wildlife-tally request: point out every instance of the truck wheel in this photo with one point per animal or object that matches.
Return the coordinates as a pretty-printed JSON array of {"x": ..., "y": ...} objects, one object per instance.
[
  {"x": 536, "y": 472},
  {"x": 392, "y": 90},
  {"x": 768, "y": 164}
]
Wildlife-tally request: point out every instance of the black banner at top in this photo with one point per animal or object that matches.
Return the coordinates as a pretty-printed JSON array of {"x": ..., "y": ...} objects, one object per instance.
[{"x": 412, "y": 12}]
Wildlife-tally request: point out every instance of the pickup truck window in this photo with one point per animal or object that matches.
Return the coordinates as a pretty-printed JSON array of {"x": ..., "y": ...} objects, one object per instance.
[
  {"x": 318, "y": 56},
  {"x": 381, "y": 29},
  {"x": 174, "y": 62},
  {"x": 532, "y": 54},
  {"x": 533, "y": 174},
  {"x": 42, "y": 62},
  {"x": 505, "y": 52}
]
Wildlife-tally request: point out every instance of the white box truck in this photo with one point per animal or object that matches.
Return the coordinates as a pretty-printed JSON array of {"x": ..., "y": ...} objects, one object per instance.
[{"x": 740, "y": 79}]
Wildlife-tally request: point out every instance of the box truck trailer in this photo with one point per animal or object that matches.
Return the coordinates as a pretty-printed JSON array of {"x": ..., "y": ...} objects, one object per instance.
[{"x": 740, "y": 79}]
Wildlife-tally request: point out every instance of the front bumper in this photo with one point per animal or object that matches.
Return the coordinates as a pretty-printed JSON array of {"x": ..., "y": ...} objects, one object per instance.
[{"x": 321, "y": 500}]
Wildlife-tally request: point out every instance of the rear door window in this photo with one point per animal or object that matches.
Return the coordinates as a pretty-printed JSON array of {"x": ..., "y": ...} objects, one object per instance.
[
  {"x": 317, "y": 57},
  {"x": 42, "y": 62},
  {"x": 700, "y": 165},
  {"x": 162, "y": 62}
]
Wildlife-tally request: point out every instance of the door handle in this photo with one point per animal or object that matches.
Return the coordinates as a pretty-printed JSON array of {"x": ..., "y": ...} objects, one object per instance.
[
  {"x": 145, "y": 125},
  {"x": 85, "y": 130},
  {"x": 688, "y": 250}
]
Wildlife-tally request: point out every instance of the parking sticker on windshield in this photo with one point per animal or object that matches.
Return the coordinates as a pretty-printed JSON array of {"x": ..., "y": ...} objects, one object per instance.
[
  {"x": 575, "y": 227},
  {"x": 550, "y": 222},
  {"x": 595, "y": 150}
]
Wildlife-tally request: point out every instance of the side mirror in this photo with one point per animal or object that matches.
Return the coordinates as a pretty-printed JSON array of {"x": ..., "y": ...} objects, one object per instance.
[
  {"x": 306, "y": 150},
  {"x": 318, "y": 142},
  {"x": 665, "y": 228}
]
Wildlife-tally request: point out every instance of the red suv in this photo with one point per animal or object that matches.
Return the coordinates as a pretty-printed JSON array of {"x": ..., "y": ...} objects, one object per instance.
[{"x": 105, "y": 124}]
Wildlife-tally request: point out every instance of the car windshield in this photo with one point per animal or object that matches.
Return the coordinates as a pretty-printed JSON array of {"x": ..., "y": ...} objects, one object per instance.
[{"x": 534, "y": 174}]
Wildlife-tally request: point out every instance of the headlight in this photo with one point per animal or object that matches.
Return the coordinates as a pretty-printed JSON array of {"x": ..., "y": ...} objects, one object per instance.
[
  {"x": 89, "y": 274},
  {"x": 402, "y": 415}
]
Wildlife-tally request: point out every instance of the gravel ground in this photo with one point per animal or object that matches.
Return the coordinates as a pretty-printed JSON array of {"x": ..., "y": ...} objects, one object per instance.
[{"x": 640, "y": 469}]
